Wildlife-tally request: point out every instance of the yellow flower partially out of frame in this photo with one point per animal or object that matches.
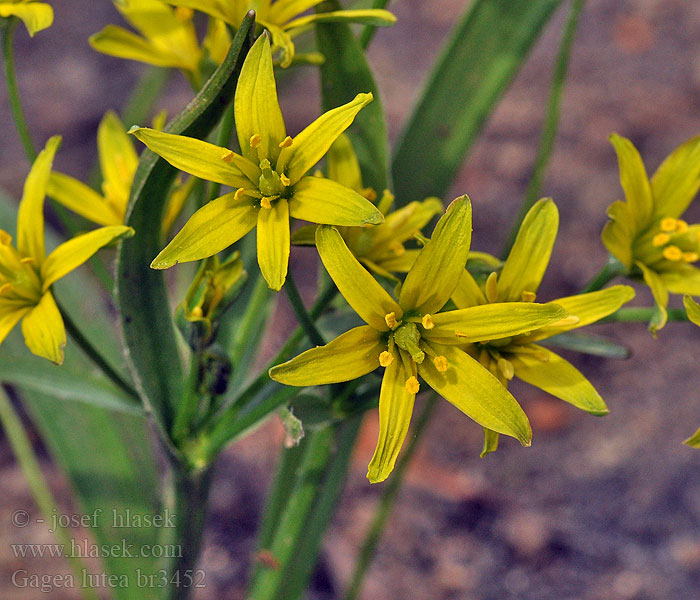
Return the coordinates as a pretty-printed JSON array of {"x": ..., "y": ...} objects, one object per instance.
[
  {"x": 410, "y": 337},
  {"x": 519, "y": 355},
  {"x": 27, "y": 274},
  {"x": 283, "y": 18},
  {"x": 35, "y": 15},
  {"x": 646, "y": 232},
  {"x": 270, "y": 176}
]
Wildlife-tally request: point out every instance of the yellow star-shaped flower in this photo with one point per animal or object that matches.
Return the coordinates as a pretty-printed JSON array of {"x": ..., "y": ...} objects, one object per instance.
[
  {"x": 270, "y": 176},
  {"x": 26, "y": 273}
]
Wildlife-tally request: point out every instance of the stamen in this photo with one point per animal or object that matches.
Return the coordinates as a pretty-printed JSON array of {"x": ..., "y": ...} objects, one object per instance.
[
  {"x": 484, "y": 358},
  {"x": 265, "y": 202},
  {"x": 528, "y": 296},
  {"x": 440, "y": 363},
  {"x": 5, "y": 238},
  {"x": 255, "y": 140},
  {"x": 239, "y": 194},
  {"x": 227, "y": 156},
  {"x": 386, "y": 358},
  {"x": 390, "y": 320},
  {"x": 660, "y": 239},
  {"x": 412, "y": 385},
  {"x": 566, "y": 321},
  {"x": 5, "y": 288},
  {"x": 491, "y": 287},
  {"x": 183, "y": 14},
  {"x": 673, "y": 253},
  {"x": 286, "y": 142},
  {"x": 27, "y": 260},
  {"x": 397, "y": 248},
  {"x": 506, "y": 368},
  {"x": 369, "y": 193},
  {"x": 690, "y": 256},
  {"x": 668, "y": 224},
  {"x": 681, "y": 226},
  {"x": 285, "y": 180},
  {"x": 197, "y": 312},
  {"x": 427, "y": 322}
]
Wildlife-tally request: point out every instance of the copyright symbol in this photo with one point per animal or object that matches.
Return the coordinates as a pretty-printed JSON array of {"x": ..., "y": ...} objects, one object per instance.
[{"x": 20, "y": 518}]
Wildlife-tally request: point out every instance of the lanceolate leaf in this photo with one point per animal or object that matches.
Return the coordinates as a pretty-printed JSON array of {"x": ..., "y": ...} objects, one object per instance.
[
  {"x": 484, "y": 52},
  {"x": 344, "y": 74},
  {"x": 145, "y": 314}
]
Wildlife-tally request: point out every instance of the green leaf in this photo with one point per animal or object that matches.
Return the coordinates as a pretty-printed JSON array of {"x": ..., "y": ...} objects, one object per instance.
[
  {"x": 144, "y": 310},
  {"x": 345, "y": 73},
  {"x": 484, "y": 52}
]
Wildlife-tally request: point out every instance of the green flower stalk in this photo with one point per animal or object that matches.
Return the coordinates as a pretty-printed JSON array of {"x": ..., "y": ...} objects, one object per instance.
[
  {"x": 411, "y": 337},
  {"x": 520, "y": 356},
  {"x": 646, "y": 232},
  {"x": 270, "y": 176}
]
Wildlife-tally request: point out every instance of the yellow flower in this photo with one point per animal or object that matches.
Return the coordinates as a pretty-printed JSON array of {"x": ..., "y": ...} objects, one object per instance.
[
  {"x": 282, "y": 17},
  {"x": 270, "y": 176},
  {"x": 519, "y": 356},
  {"x": 411, "y": 338},
  {"x": 380, "y": 248},
  {"x": 26, "y": 273},
  {"x": 35, "y": 15},
  {"x": 168, "y": 37},
  {"x": 646, "y": 233}
]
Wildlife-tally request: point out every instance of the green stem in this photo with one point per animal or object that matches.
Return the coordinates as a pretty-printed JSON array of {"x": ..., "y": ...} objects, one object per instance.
[
  {"x": 611, "y": 269},
  {"x": 187, "y": 409},
  {"x": 387, "y": 501},
  {"x": 551, "y": 121},
  {"x": 13, "y": 89},
  {"x": 95, "y": 355},
  {"x": 642, "y": 315},
  {"x": 305, "y": 320},
  {"x": 23, "y": 451}
]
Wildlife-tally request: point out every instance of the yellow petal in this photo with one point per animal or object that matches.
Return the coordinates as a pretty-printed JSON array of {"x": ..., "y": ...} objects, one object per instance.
[
  {"x": 225, "y": 10},
  {"x": 477, "y": 393},
  {"x": 43, "y": 330},
  {"x": 490, "y": 442},
  {"x": 30, "y": 218},
  {"x": 692, "y": 308},
  {"x": 118, "y": 159},
  {"x": 201, "y": 159},
  {"x": 212, "y": 228},
  {"x": 283, "y": 11},
  {"x": 10, "y": 314},
  {"x": 368, "y": 299},
  {"x": 694, "y": 440},
  {"x": 395, "y": 410},
  {"x": 402, "y": 263},
  {"x": 178, "y": 196},
  {"x": 560, "y": 378},
  {"x": 349, "y": 356},
  {"x": 492, "y": 321},
  {"x": 281, "y": 41},
  {"x": 634, "y": 181},
  {"x": 82, "y": 200},
  {"x": 468, "y": 293},
  {"x": 619, "y": 233},
  {"x": 342, "y": 164},
  {"x": 122, "y": 43},
  {"x": 374, "y": 17},
  {"x": 529, "y": 256},
  {"x": 683, "y": 280},
  {"x": 587, "y": 308},
  {"x": 36, "y": 16},
  {"x": 321, "y": 200},
  {"x": 256, "y": 106},
  {"x": 273, "y": 243},
  {"x": 73, "y": 253},
  {"x": 660, "y": 293},
  {"x": 314, "y": 141},
  {"x": 434, "y": 276},
  {"x": 404, "y": 223},
  {"x": 676, "y": 181},
  {"x": 304, "y": 236}
]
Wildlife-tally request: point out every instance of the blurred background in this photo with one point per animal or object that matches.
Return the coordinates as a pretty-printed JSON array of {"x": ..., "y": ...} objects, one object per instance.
[{"x": 597, "y": 507}]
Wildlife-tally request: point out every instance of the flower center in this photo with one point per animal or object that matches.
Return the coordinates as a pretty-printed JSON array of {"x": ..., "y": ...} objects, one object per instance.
[
  {"x": 676, "y": 241},
  {"x": 19, "y": 280}
]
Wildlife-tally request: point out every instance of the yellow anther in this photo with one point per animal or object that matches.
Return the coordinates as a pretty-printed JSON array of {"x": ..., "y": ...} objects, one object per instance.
[
  {"x": 5, "y": 288},
  {"x": 286, "y": 142},
  {"x": 506, "y": 368},
  {"x": 27, "y": 260},
  {"x": 239, "y": 194},
  {"x": 660, "y": 239},
  {"x": 412, "y": 385},
  {"x": 227, "y": 156},
  {"x": 386, "y": 358},
  {"x": 5, "y": 238},
  {"x": 427, "y": 322},
  {"x": 491, "y": 287},
  {"x": 369, "y": 193},
  {"x": 265, "y": 202},
  {"x": 527, "y": 296},
  {"x": 673, "y": 253},
  {"x": 183, "y": 14},
  {"x": 197, "y": 312},
  {"x": 668, "y": 224},
  {"x": 690, "y": 256},
  {"x": 284, "y": 179},
  {"x": 390, "y": 320},
  {"x": 255, "y": 140},
  {"x": 440, "y": 363},
  {"x": 566, "y": 321},
  {"x": 681, "y": 226},
  {"x": 397, "y": 248}
]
